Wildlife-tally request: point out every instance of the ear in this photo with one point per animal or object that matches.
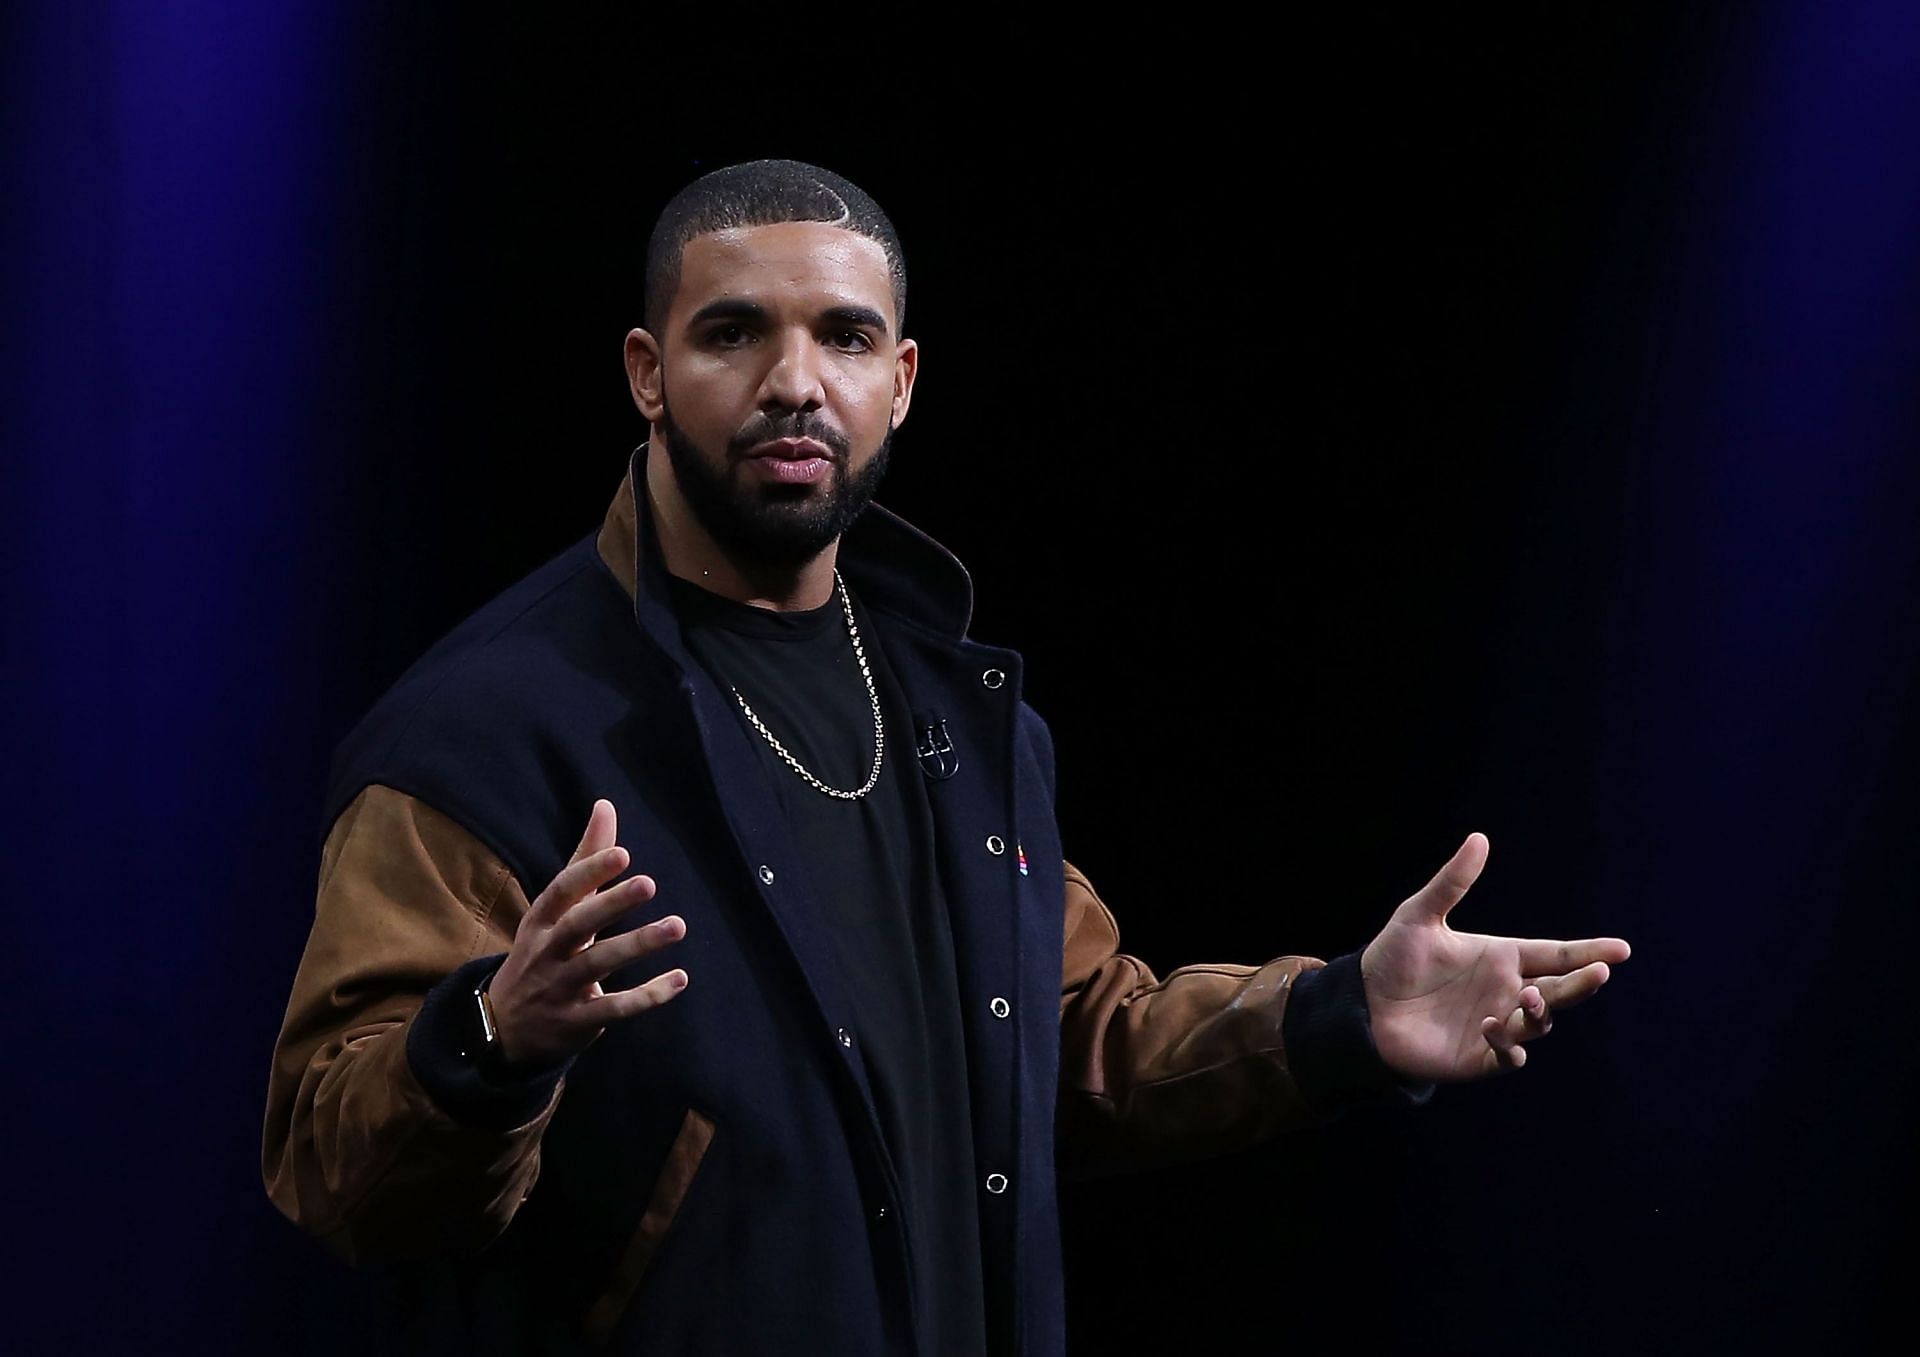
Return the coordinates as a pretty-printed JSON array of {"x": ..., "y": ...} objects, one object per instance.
[
  {"x": 643, "y": 374},
  {"x": 906, "y": 364}
]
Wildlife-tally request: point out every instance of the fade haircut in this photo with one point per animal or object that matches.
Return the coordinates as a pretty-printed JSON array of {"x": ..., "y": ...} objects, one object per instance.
[{"x": 764, "y": 193}]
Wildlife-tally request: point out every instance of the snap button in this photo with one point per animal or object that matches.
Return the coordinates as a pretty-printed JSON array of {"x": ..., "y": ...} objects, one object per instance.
[
  {"x": 766, "y": 874},
  {"x": 844, "y": 1037},
  {"x": 996, "y": 1183},
  {"x": 996, "y": 845},
  {"x": 880, "y": 1214},
  {"x": 1000, "y": 1007},
  {"x": 993, "y": 678}
]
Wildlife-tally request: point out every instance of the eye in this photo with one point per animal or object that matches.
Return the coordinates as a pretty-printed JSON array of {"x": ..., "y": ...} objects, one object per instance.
[
  {"x": 854, "y": 341},
  {"x": 729, "y": 335}
]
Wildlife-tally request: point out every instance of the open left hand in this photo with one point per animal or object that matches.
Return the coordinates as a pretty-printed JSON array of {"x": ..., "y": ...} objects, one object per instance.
[{"x": 1447, "y": 1005}]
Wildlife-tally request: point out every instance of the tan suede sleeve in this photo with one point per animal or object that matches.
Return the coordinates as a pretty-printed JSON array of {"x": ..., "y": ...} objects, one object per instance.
[
  {"x": 355, "y": 1151},
  {"x": 1157, "y": 1071}
]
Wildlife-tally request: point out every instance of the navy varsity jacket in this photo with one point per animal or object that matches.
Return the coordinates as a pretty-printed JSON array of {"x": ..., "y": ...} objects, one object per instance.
[{"x": 711, "y": 1176}]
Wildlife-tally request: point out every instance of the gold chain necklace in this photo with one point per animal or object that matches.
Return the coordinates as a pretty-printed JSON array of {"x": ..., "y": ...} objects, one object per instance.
[{"x": 873, "y": 698}]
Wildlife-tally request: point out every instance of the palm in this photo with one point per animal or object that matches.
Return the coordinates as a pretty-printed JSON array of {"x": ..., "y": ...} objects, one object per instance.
[{"x": 1447, "y": 1005}]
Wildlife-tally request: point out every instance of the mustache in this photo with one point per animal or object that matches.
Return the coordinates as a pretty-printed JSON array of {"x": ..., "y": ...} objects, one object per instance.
[{"x": 763, "y": 428}]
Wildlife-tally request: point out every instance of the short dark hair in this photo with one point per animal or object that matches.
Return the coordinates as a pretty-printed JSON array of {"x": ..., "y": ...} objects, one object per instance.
[{"x": 763, "y": 193}]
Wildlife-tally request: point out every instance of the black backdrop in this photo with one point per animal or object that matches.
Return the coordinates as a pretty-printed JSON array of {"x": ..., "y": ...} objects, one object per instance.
[{"x": 1374, "y": 430}]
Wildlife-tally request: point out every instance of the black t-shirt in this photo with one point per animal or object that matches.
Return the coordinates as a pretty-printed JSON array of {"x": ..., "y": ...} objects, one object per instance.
[{"x": 871, "y": 863}]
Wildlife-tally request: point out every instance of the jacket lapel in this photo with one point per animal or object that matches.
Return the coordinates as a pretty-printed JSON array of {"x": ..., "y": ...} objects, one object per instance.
[{"x": 766, "y": 863}]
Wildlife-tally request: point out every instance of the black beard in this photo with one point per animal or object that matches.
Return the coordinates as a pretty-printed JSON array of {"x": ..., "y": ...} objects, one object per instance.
[{"x": 773, "y": 526}]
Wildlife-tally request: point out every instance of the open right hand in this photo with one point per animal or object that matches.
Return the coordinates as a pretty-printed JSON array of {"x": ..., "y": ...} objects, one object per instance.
[{"x": 547, "y": 1000}]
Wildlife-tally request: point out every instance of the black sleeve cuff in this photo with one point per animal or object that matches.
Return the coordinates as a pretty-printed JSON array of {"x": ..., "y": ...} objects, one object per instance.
[
  {"x": 444, "y": 1049},
  {"x": 1329, "y": 1042}
]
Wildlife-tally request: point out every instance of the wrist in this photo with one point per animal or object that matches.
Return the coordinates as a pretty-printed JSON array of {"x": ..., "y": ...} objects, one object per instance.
[
  {"x": 467, "y": 1077},
  {"x": 490, "y": 1052},
  {"x": 507, "y": 1054},
  {"x": 1330, "y": 1042}
]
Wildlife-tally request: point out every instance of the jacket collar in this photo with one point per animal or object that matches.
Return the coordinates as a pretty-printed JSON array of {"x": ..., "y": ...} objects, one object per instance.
[{"x": 894, "y": 566}]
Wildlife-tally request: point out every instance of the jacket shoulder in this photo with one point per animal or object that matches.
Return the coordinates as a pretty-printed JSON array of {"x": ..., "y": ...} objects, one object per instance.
[{"x": 479, "y": 725}]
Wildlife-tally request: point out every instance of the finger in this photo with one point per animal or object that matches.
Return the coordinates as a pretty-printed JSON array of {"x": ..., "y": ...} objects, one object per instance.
[
  {"x": 1530, "y": 1018},
  {"x": 1502, "y": 1052},
  {"x": 1502, "y": 1034},
  {"x": 594, "y": 915},
  {"x": 575, "y": 882},
  {"x": 1564, "y": 991},
  {"x": 1495, "y": 1033},
  {"x": 1547, "y": 957},
  {"x": 1544, "y": 957},
  {"x": 601, "y": 826},
  {"x": 1440, "y": 895},
  {"x": 624, "y": 1003},
  {"x": 608, "y": 955}
]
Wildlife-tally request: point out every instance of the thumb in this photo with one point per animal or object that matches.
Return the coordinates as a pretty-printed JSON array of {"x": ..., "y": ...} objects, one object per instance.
[
  {"x": 601, "y": 824},
  {"x": 1438, "y": 897}
]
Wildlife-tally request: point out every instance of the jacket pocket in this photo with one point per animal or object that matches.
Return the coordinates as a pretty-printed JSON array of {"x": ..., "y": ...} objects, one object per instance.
[{"x": 669, "y": 1191}]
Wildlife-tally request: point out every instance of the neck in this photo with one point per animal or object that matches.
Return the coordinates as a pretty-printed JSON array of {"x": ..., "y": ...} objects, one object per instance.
[{"x": 690, "y": 553}]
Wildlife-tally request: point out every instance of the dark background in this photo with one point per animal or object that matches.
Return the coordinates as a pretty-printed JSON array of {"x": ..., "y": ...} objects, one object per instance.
[{"x": 1371, "y": 429}]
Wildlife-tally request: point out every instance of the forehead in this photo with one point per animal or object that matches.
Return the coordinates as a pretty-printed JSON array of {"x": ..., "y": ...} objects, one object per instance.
[{"x": 799, "y": 264}]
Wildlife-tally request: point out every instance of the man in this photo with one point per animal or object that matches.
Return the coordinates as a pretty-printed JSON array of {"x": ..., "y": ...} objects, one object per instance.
[{"x": 798, "y": 1083}]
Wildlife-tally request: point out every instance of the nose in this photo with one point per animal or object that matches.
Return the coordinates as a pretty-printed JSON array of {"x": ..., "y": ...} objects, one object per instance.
[{"x": 793, "y": 381}]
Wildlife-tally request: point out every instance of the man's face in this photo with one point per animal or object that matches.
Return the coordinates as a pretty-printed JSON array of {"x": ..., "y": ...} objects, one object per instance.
[{"x": 781, "y": 380}]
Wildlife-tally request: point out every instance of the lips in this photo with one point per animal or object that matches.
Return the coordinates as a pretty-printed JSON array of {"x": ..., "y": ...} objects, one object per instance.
[
  {"x": 791, "y": 461},
  {"x": 790, "y": 450}
]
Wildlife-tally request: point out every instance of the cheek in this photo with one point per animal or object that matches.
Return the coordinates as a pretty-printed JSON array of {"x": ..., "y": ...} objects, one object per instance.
[
  {"x": 867, "y": 400},
  {"x": 704, "y": 393}
]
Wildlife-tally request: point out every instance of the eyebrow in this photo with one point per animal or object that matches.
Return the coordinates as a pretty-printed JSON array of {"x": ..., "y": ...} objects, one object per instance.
[
  {"x": 728, "y": 308},
  {"x": 738, "y": 308},
  {"x": 860, "y": 317}
]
